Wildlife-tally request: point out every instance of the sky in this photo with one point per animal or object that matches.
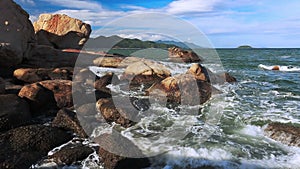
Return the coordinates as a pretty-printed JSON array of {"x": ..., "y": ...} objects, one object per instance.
[{"x": 225, "y": 23}]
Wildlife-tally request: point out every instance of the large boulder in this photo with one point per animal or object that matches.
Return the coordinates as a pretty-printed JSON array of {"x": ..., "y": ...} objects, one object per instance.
[
  {"x": 61, "y": 31},
  {"x": 14, "y": 112},
  {"x": 21, "y": 147},
  {"x": 49, "y": 95},
  {"x": 17, "y": 34},
  {"x": 113, "y": 151},
  {"x": 145, "y": 72},
  {"x": 181, "y": 89},
  {"x": 285, "y": 133},
  {"x": 179, "y": 55}
]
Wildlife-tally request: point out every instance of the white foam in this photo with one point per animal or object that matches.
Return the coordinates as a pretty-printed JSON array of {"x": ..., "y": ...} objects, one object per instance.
[
  {"x": 281, "y": 68},
  {"x": 254, "y": 131}
]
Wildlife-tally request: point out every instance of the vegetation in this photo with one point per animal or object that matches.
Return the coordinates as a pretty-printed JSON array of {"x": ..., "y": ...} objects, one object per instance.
[{"x": 245, "y": 47}]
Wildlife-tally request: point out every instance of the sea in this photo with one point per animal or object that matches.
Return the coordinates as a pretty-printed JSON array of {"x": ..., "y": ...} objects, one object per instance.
[{"x": 227, "y": 132}]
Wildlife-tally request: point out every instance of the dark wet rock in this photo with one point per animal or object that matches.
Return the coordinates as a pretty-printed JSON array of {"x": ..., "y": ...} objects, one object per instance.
[
  {"x": 17, "y": 34},
  {"x": 68, "y": 120},
  {"x": 61, "y": 31},
  {"x": 14, "y": 112},
  {"x": 285, "y": 133},
  {"x": 181, "y": 89},
  {"x": 30, "y": 75},
  {"x": 2, "y": 86},
  {"x": 21, "y": 147},
  {"x": 71, "y": 154},
  {"x": 117, "y": 152},
  {"x": 101, "y": 83},
  {"x": 180, "y": 55},
  {"x": 118, "y": 111},
  {"x": 48, "y": 57}
]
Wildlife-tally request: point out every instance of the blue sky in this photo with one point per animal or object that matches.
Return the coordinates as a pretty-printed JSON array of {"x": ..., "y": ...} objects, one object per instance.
[{"x": 226, "y": 23}]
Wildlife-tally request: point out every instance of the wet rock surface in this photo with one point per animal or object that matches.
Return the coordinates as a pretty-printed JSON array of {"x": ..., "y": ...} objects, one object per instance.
[{"x": 285, "y": 133}]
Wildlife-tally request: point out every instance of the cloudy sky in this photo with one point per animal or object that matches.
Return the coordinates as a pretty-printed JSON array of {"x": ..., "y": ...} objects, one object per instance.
[{"x": 226, "y": 23}]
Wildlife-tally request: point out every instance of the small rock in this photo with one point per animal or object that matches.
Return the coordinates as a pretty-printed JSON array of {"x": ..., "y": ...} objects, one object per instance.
[{"x": 199, "y": 72}]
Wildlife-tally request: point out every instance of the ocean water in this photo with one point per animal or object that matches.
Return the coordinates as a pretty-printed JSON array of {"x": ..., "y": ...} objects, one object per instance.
[{"x": 227, "y": 131}]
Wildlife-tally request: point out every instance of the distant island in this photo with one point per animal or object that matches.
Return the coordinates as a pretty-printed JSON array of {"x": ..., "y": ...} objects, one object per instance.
[{"x": 245, "y": 47}]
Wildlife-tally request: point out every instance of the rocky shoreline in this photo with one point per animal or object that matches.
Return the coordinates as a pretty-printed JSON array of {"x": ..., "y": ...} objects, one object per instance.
[{"x": 37, "y": 111}]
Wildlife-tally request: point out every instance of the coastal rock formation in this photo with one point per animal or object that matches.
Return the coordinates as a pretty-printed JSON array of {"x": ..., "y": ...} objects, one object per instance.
[
  {"x": 61, "y": 31},
  {"x": 145, "y": 72},
  {"x": 112, "y": 146},
  {"x": 112, "y": 62},
  {"x": 67, "y": 119},
  {"x": 48, "y": 95},
  {"x": 14, "y": 112},
  {"x": 199, "y": 72},
  {"x": 182, "y": 89},
  {"x": 123, "y": 113},
  {"x": 285, "y": 133},
  {"x": 21, "y": 147},
  {"x": 17, "y": 34},
  {"x": 2, "y": 86},
  {"x": 30, "y": 75},
  {"x": 180, "y": 55},
  {"x": 71, "y": 153}
]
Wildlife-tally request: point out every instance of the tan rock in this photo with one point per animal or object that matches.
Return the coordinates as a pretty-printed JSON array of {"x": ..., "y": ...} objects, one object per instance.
[
  {"x": 180, "y": 55},
  {"x": 61, "y": 31},
  {"x": 199, "y": 72},
  {"x": 17, "y": 34},
  {"x": 181, "y": 89}
]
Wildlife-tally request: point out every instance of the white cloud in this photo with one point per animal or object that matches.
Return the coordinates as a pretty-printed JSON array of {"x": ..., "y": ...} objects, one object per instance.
[
  {"x": 191, "y": 6},
  {"x": 30, "y": 2},
  {"x": 150, "y": 37},
  {"x": 77, "y": 4}
]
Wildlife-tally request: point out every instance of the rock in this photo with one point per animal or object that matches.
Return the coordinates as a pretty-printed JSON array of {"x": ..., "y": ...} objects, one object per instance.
[
  {"x": 21, "y": 147},
  {"x": 101, "y": 83},
  {"x": 180, "y": 55},
  {"x": 112, "y": 146},
  {"x": 112, "y": 62},
  {"x": 48, "y": 57},
  {"x": 62, "y": 90},
  {"x": 30, "y": 75},
  {"x": 17, "y": 34},
  {"x": 87, "y": 109},
  {"x": 61, "y": 31},
  {"x": 14, "y": 112},
  {"x": 68, "y": 120},
  {"x": 145, "y": 72},
  {"x": 199, "y": 72},
  {"x": 124, "y": 114},
  {"x": 181, "y": 89},
  {"x": 40, "y": 99},
  {"x": 48, "y": 95},
  {"x": 2, "y": 86},
  {"x": 285, "y": 133},
  {"x": 71, "y": 153}
]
